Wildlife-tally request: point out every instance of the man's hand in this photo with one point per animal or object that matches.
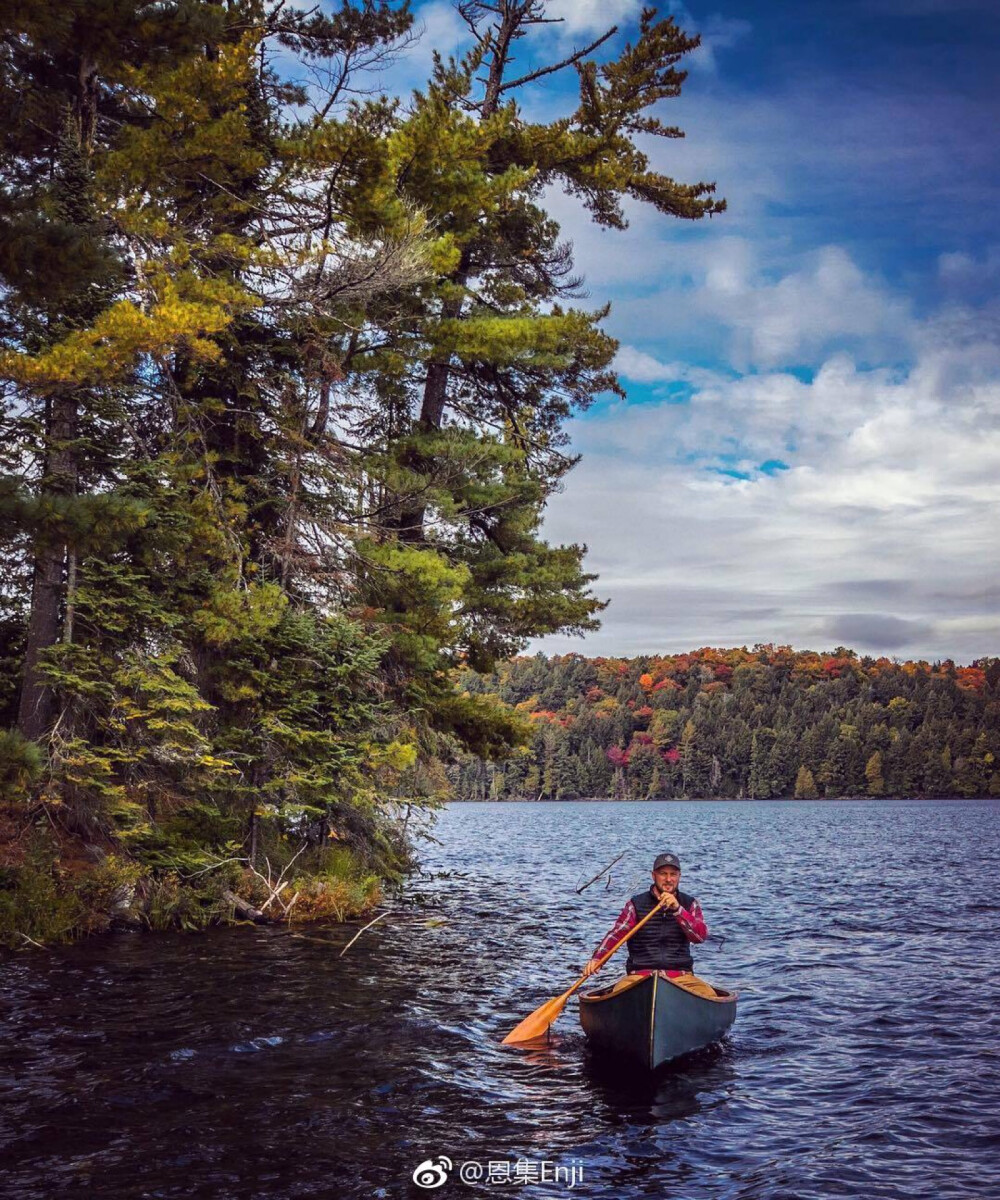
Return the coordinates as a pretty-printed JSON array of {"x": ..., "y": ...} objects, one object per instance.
[
  {"x": 670, "y": 902},
  {"x": 590, "y": 968}
]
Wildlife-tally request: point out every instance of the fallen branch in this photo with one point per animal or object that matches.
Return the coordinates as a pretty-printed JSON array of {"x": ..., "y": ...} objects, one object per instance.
[
  {"x": 274, "y": 887},
  {"x": 584, "y": 887},
  {"x": 274, "y": 896},
  {"x": 387, "y": 913},
  {"x": 246, "y": 910}
]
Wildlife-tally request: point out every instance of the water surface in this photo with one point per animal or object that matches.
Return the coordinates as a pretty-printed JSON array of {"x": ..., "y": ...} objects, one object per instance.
[{"x": 257, "y": 1063}]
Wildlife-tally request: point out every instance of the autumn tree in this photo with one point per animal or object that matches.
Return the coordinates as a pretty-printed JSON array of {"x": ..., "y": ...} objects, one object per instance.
[
  {"x": 739, "y": 739},
  {"x": 805, "y": 785},
  {"x": 873, "y": 775}
]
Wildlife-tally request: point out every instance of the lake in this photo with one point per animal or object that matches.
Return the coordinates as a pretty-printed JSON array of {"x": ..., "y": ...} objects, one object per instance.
[{"x": 865, "y": 1060}]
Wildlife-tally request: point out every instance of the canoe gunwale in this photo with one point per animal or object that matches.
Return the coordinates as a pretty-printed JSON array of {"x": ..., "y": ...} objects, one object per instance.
[{"x": 723, "y": 996}]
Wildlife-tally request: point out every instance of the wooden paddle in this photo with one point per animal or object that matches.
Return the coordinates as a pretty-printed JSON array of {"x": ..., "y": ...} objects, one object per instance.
[{"x": 538, "y": 1023}]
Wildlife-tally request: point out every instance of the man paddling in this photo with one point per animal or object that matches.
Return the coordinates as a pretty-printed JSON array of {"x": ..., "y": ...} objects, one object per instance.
[{"x": 663, "y": 944}]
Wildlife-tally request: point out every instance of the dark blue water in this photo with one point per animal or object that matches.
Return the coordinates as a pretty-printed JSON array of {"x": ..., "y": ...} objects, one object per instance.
[{"x": 256, "y": 1063}]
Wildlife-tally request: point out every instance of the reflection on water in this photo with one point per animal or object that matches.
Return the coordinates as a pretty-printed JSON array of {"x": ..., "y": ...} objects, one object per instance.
[
  {"x": 671, "y": 1093},
  {"x": 257, "y": 1063}
]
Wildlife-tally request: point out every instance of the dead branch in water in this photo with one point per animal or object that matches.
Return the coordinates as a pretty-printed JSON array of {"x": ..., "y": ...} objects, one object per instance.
[
  {"x": 387, "y": 913},
  {"x": 601, "y": 872}
]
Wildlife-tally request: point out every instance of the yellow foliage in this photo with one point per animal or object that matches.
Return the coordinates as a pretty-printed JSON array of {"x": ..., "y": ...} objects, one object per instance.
[{"x": 113, "y": 346}]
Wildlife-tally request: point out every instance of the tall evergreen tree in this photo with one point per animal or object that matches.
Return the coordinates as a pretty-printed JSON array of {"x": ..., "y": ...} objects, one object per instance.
[
  {"x": 64, "y": 88},
  {"x": 473, "y": 394}
]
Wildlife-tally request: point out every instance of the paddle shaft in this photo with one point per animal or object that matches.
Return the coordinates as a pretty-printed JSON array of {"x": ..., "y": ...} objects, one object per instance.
[
  {"x": 539, "y": 1021},
  {"x": 621, "y": 942}
]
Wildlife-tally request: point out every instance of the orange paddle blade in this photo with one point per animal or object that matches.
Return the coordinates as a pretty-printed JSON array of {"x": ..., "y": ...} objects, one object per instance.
[{"x": 538, "y": 1023}]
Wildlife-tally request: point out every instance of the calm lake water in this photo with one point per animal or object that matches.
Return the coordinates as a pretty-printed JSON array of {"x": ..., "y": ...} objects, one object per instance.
[{"x": 255, "y": 1063}]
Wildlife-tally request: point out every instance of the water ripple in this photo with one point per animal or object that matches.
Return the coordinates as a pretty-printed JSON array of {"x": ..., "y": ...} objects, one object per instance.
[{"x": 258, "y": 1063}]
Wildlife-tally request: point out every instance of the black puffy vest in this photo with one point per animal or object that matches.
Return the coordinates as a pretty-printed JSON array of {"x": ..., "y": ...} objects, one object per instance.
[{"x": 660, "y": 944}]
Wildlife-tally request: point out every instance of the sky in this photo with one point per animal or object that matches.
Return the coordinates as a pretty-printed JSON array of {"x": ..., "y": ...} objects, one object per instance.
[{"x": 809, "y": 450}]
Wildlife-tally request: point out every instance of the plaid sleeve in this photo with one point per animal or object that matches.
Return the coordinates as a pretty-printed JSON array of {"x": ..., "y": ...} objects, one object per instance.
[
  {"x": 626, "y": 921},
  {"x": 692, "y": 922}
]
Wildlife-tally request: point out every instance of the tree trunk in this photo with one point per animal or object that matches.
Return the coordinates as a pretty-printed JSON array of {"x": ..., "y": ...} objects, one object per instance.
[
  {"x": 37, "y": 705},
  {"x": 410, "y": 526},
  {"x": 410, "y": 521},
  {"x": 36, "y": 709}
]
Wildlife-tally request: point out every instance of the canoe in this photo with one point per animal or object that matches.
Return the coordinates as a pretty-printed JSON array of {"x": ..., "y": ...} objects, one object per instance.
[{"x": 649, "y": 1021}]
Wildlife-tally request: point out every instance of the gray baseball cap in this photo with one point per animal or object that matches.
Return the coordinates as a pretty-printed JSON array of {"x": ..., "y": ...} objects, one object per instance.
[{"x": 666, "y": 860}]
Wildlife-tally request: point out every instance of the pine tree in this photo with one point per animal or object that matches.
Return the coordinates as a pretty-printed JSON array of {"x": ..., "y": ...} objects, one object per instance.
[
  {"x": 64, "y": 77},
  {"x": 210, "y": 691},
  {"x": 762, "y": 784},
  {"x": 693, "y": 764},
  {"x": 472, "y": 398}
]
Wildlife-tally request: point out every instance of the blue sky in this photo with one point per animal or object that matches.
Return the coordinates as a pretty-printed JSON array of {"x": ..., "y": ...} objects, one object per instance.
[{"x": 810, "y": 446}]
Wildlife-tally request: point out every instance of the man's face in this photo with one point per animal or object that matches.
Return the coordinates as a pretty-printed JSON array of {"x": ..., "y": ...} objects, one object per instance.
[{"x": 666, "y": 879}]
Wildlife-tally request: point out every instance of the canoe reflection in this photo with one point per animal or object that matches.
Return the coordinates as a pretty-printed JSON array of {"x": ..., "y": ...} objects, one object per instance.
[{"x": 689, "y": 1085}]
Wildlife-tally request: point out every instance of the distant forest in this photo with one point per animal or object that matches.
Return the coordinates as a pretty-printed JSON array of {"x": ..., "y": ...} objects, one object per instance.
[{"x": 771, "y": 722}]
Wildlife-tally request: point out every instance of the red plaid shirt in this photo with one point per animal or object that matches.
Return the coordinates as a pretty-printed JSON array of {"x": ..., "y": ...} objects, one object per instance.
[{"x": 690, "y": 920}]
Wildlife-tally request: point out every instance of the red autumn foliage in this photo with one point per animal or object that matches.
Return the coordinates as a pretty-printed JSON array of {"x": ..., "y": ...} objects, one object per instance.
[{"x": 971, "y": 679}]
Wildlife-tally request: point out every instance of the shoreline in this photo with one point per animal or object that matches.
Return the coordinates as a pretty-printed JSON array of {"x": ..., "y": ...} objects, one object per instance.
[{"x": 718, "y": 799}]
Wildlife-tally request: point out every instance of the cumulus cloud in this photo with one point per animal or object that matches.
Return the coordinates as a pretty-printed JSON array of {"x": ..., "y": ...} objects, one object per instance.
[
  {"x": 828, "y": 300},
  {"x": 857, "y": 508},
  {"x": 724, "y": 298},
  {"x": 645, "y": 368}
]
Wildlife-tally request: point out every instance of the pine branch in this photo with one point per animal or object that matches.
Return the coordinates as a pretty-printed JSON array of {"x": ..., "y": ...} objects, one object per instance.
[{"x": 566, "y": 62}]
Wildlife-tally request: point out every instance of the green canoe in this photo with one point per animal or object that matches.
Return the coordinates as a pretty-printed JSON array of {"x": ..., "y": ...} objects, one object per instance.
[{"x": 649, "y": 1020}]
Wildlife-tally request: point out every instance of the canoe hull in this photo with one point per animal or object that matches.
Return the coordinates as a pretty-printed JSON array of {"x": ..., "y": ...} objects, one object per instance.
[{"x": 649, "y": 1021}]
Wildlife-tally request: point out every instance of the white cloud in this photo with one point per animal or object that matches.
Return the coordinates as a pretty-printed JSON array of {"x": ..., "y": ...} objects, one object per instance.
[
  {"x": 826, "y": 301},
  {"x": 722, "y": 295},
  {"x": 644, "y": 368},
  {"x": 591, "y": 17},
  {"x": 883, "y": 527}
]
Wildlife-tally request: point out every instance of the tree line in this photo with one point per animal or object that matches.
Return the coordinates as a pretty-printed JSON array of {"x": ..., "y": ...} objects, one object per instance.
[
  {"x": 285, "y": 365},
  {"x": 745, "y": 724}
]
